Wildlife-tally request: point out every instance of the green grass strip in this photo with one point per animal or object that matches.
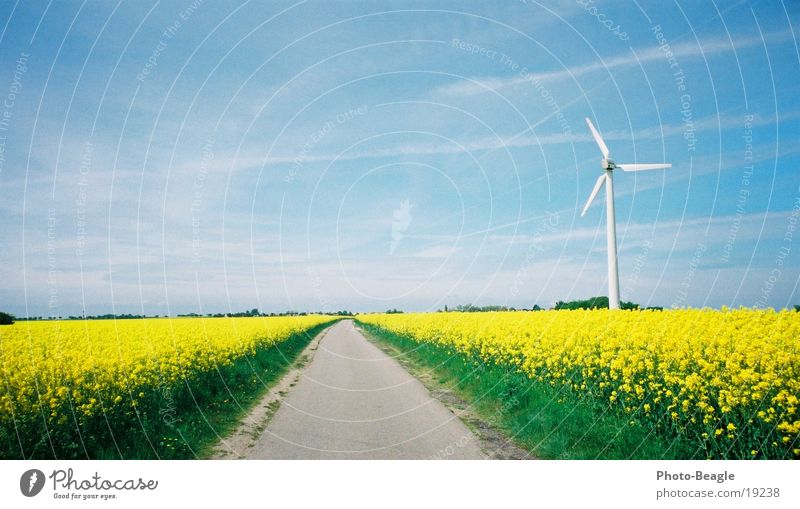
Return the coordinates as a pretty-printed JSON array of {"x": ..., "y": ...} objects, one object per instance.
[{"x": 552, "y": 422}]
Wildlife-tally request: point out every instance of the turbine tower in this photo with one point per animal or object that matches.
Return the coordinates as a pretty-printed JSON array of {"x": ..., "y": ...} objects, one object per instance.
[{"x": 607, "y": 178}]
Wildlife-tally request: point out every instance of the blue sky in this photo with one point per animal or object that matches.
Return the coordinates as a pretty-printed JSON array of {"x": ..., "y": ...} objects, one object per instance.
[{"x": 189, "y": 156}]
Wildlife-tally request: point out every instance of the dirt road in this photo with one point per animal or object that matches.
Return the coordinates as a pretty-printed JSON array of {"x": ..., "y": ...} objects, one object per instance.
[{"x": 355, "y": 402}]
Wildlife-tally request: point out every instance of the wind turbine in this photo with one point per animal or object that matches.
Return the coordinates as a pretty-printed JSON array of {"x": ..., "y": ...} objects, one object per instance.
[{"x": 607, "y": 178}]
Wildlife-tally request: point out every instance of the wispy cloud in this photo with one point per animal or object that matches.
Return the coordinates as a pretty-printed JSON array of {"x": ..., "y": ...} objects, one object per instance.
[
  {"x": 692, "y": 228},
  {"x": 435, "y": 252},
  {"x": 720, "y": 122},
  {"x": 687, "y": 50}
]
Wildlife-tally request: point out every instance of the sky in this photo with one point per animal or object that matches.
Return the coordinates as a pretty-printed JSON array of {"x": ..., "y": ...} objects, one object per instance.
[{"x": 193, "y": 156}]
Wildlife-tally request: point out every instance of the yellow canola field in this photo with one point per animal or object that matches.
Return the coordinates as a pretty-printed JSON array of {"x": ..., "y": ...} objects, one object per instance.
[
  {"x": 728, "y": 380},
  {"x": 57, "y": 370}
]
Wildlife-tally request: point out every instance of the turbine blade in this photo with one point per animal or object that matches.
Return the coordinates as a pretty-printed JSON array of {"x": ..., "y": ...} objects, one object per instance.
[
  {"x": 641, "y": 167},
  {"x": 600, "y": 181},
  {"x": 598, "y": 139}
]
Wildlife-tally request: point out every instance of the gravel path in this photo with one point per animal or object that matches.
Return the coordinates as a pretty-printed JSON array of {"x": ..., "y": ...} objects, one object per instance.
[{"x": 355, "y": 402}]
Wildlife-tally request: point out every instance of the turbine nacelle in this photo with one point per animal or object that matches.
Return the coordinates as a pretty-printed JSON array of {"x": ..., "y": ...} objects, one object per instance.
[{"x": 607, "y": 164}]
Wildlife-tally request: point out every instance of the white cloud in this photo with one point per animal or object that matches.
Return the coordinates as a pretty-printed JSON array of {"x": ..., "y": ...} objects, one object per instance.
[
  {"x": 711, "y": 123},
  {"x": 695, "y": 49},
  {"x": 435, "y": 252}
]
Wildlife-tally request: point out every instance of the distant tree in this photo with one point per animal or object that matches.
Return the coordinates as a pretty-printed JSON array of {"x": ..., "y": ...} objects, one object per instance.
[
  {"x": 6, "y": 318},
  {"x": 600, "y": 302},
  {"x": 628, "y": 305},
  {"x": 797, "y": 307},
  {"x": 536, "y": 307},
  {"x": 469, "y": 308},
  {"x": 393, "y": 311}
]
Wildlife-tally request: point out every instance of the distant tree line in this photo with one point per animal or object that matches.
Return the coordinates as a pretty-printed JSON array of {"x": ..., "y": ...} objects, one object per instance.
[
  {"x": 469, "y": 308},
  {"x": 8, "y": 319},
  {"x": 593, "y": 303},
  {"x": 108, "y": 316},
  {"x": 255, "y": 312}
]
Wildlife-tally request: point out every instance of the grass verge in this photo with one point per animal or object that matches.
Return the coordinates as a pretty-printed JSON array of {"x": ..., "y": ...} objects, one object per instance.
[{"x": 552, "y": 422}]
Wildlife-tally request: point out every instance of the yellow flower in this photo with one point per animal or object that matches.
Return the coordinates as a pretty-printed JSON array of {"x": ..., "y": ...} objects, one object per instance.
[
  {"x": 80, "y": 366},
  {"x": 698, "y": 363}
]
